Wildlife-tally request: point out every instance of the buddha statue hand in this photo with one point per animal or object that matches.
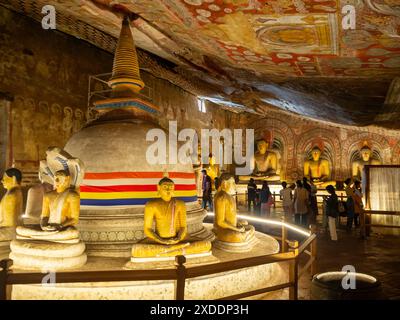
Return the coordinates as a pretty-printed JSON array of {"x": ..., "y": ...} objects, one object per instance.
[{"x": 243, "y": 223}]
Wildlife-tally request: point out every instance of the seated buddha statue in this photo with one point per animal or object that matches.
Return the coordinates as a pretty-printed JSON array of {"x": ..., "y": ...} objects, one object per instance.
[
  {"x": 227, "y": 228},
  {"x": 265, "y": 163},
  {"x": 169, "y": 237},
  {"x": 366, "y": 159},
  {"x": 11, "y": 205},
  {"x": 60, "y": 214},
  {"x": 55, "y": 243},
  {"x": 318, "y": 170}
]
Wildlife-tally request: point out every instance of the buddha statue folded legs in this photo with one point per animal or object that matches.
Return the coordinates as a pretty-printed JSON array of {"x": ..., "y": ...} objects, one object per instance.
[
  {"x": 169, "y": 237},
  {"x": 318, "y": 170},
  {"x": 232, "y": 235},
  {"x": 54, "y": 244},
  {"x": 266, "y": 164}
]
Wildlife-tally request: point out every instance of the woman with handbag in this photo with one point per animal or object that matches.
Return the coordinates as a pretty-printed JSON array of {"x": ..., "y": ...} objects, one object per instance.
[{"x": 267, "y": 200}]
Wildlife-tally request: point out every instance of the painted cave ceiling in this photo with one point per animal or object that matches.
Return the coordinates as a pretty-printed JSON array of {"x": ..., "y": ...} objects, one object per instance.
[{"x": 289, "y": 54}]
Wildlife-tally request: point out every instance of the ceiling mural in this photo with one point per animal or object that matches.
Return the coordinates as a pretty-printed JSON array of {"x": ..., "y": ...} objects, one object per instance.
[{"x": 298, "y": 55}]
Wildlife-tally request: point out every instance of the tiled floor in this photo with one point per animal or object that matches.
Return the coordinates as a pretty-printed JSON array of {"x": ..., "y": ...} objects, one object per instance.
[{"x": 377, "y": 255}]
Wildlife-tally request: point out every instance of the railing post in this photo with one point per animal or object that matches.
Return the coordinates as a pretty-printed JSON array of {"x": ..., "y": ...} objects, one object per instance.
[
  {"x": 284, "y": 235},
  {"x": 294, "y": 273},
  {"x": 274, "y": 195},
  {"x": 362, "y": 225},
  {"x": 313, "y": 251},
  {"x": 181, "y": 277},
  {"x": 5, "y": 266}
]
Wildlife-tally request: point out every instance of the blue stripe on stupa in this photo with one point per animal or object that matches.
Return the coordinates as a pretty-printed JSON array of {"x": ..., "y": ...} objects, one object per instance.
[{"x": 124, "y": 104}]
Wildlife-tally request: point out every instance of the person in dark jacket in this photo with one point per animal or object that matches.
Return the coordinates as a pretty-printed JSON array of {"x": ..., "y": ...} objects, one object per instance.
[
  {"x": 251, "y": 194},
  {"x": 207, "y": 189},
  {"x": 332, "y": 204}
]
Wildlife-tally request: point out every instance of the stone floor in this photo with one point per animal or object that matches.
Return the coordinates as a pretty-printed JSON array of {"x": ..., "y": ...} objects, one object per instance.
[{"x": 378, "y": 256}]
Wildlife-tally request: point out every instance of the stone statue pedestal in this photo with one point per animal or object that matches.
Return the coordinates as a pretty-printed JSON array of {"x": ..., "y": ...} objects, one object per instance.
[
  {"x": 35, "y": 249},
  {"x": 43, "y": 255},
  {"x": 7, "y": 234},
  {"x": 236, "y": 247}
]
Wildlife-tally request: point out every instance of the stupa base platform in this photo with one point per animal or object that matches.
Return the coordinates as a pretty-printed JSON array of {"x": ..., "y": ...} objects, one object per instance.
[
  {"x": 47, "y": 256},
  {"x": 207, "y": 287},
  {"x": 169, "y": 262}
]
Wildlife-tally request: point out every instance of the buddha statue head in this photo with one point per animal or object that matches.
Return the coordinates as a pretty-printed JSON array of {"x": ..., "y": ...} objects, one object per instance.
[
  {"x": 11, "y": 178},
  {"x": 166, "y": 189},
  {"x": 365, "y": 153},
  {"x": 262, "y": 146},
  {"x": 316, "y": 153},
  {"x": 227, "y": 183},
  {"x": 62, "y": 180}
]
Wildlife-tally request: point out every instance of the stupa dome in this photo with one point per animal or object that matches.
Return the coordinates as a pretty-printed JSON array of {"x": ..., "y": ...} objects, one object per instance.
[{"x": 119, "y": 179}]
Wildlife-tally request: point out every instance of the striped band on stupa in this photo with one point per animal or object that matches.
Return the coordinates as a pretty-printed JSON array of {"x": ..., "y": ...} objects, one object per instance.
[{"x": 110, "y": 190}]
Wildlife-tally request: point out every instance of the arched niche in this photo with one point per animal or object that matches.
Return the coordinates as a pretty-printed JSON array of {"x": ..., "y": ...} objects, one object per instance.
[
  {"x": 283, "y": 140},
  {"x": 351, "y": 149},
  {"x": 396, "y": 154}
]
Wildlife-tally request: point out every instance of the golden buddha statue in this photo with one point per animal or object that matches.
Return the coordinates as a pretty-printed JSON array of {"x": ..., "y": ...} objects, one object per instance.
[
  {"x": 55, "y": 243},
  {"x": 61, "y": 206},
  {"x": 60, "y": 214},
  {"x": 266, "y": 162},
  {"x": 317, "y": 169},
  {"x": 169, "y": 236},
  {"x": 212, "y": 170},
  {"x": 226, "y": 226},
  {"x": 366, "y": 159},
  {"x": 11, "y": 205}
]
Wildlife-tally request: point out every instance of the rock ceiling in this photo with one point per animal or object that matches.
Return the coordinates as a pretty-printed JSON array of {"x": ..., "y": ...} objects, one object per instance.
[{"x": 290, "y": 54}]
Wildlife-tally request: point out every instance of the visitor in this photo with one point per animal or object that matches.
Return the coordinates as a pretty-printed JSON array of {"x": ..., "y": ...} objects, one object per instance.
[
  {"x": 251, "y": 194},
  {"x": 332, "y": 204},
  {"x": 301, "y": 200},
  {"x": 266, "y": 199},
  {"x": 349, "y": 203},
  {"x": 287, "y": 201},
  {"x": 306, "y": 185},
  {"x": 216, "y": 183},
  {"x": 313, "y": 203},
  {"x": 358, "y": 203},
  {"x": 207, "y": 190}
]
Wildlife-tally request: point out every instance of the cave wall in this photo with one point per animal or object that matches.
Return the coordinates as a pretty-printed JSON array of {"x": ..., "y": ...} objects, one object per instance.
[
  {"x": 46, "y": 74},
  {"x": 340, "y": 143}
]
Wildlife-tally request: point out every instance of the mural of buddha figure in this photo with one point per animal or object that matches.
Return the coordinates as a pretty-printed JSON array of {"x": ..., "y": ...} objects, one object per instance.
[
  {"x": 365, "y": 159},
  {"x": 317, "y": 169}
]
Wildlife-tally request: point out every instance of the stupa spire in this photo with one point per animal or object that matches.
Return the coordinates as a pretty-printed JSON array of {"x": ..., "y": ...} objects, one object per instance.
[{"x": 126, "y": 74}]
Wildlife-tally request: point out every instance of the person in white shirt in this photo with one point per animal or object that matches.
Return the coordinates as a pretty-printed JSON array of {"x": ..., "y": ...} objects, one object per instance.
[{"x": 287, "y": 201}]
